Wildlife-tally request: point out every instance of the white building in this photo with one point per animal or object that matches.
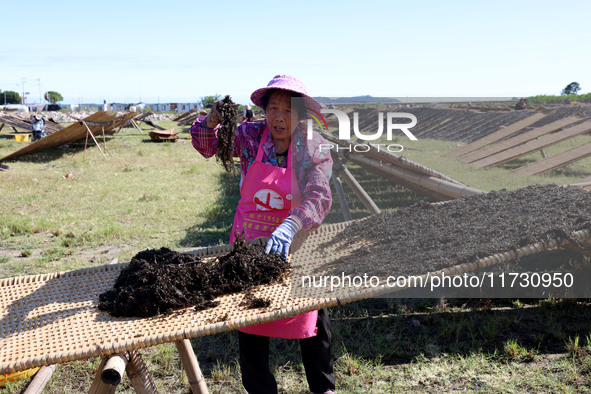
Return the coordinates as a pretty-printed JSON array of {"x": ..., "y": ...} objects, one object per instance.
[
  {"x": 173, "y": 107},
  {"x": 83, "y": 107},
  {"x": 14, "y": 107},
  {"x": 138, "y": 107}
]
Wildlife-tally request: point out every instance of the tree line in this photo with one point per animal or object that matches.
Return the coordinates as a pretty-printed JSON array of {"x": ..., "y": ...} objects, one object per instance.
[{"x": 12, "y": 97}]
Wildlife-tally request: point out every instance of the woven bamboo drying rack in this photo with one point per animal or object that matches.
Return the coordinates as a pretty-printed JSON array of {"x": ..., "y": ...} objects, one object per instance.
[{"x": 53, "y": 318}]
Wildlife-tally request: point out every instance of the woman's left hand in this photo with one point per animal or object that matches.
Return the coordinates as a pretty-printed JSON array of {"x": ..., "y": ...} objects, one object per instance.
[
  {"x": 281, "y": 239},
  {"x": 214, "y": 117}
]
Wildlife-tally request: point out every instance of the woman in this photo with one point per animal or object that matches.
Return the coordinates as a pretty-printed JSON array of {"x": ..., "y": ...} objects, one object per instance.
[
  {"x": 248, "y": 114},
  {"x": 284, "y": 188}
]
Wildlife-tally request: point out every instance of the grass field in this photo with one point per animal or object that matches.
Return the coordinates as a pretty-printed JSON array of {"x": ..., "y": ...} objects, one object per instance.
[{"x": 149, "y": 195}]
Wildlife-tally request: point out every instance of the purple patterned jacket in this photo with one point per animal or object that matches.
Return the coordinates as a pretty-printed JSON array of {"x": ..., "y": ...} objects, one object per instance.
[{"x": 313, "y": 167}]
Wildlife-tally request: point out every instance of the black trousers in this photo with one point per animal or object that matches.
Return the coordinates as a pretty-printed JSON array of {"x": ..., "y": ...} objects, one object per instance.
[{"x": 254, "y": 360}]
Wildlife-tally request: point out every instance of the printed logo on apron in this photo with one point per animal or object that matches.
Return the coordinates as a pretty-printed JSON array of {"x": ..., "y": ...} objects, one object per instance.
[{"x": 267, "y": 199}]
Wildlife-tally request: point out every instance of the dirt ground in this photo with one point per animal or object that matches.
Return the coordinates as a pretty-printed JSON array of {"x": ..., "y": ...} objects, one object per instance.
[{"x": 26, "y": 255}]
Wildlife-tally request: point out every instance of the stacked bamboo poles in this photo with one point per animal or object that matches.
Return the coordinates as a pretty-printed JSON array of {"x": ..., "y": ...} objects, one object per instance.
[
  {"x": 384, "y": 155},
  {"x": 400, "y": 170}
]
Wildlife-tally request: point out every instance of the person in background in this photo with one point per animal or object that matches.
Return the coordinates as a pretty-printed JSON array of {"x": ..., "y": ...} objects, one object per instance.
[
  {"x": 248, "y": 114},
  {"x": 521, "y": 104},
  {"x": 272, "y": 154},
  {"x": 38, "y": 127}
]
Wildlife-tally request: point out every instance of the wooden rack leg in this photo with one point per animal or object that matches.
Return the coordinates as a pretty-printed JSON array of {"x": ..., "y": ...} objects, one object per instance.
[
  {"x": 361, "y": 194},
  {"x": 88, "y": 131},
  {"x": 136, "y": 126},
  {"x": 85, "y": 145},
  {"x": 189, "y": 361},
  {"x": 105, "y": 141},
  {"x": 138, "y": 374},
  {"x": 114, "y": 369},
  {"x": 338, "y": 185},
  {"x": 359, "y": 191},
  {"x": 98, "y": 386},
  {"x": 40, "y": 380}
]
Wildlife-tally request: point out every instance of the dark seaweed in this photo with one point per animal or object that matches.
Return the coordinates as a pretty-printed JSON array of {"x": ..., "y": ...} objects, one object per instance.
[
  {"x": 160, "y": 281},
  {"x": 252, "y": 302},
  {"x": 225, "y": 147},
  {"x": 427, "y": 237}
]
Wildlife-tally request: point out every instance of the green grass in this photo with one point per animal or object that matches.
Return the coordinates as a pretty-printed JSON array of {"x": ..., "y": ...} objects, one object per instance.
[
  {"x": 143, "y": 195},
  {"x": 149, "y": 195},
  {"x": 554, "y": 99}
]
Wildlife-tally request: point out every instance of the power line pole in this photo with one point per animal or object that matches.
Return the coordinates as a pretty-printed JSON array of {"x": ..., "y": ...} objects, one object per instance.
[{"x": 23, "y": 79}]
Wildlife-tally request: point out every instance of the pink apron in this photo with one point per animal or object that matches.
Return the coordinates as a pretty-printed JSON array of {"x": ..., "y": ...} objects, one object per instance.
[{"x": 266, "y": 198}]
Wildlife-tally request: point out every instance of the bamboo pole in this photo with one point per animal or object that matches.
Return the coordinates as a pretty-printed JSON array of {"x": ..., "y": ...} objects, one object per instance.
[
  {"x": 338, "y": 166},
  {"x": 40, "y": 380},
  {"x": 361, "y": 194},
  {"x": 191, "y": 365},
  {"x": 114, "y": 369},
  {"x": 435, "y": 184},
  {"x": 580, "y": 245},
  {"x": 105, "y": 141},
  {"x": 98, "y": 386},
  {"x": 136, "y": 126},
  {"x": 409, "y": 174},
  {"x": 383, "y": 155},
  {"x": 412, "y": 182},
  {"x": 575, "y": 248},
  {"x": 415, "y": 187},
  {"x": 94, "y": 139},
  {"x": 85, "y": 145},
  {"x": 402, "y": 161},
  {"x": 338, "y": 185},
  {"x": 138, "y": 374}
]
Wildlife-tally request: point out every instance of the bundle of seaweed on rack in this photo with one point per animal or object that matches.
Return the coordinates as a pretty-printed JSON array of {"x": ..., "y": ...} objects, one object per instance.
[
  {"x": 160, "y": 281},
  {"x": 226, "y": 132}
]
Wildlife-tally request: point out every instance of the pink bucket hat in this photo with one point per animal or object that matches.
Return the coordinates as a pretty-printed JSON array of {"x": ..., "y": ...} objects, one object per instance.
[{"x": 289, "y": 83}]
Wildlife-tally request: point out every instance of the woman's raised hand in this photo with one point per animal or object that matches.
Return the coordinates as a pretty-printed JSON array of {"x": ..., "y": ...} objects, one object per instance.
[{"x": 214, "y": 117}]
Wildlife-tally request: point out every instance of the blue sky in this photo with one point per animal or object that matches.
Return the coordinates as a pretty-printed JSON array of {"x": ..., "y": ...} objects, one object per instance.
[{"x": 168, "y": 51}]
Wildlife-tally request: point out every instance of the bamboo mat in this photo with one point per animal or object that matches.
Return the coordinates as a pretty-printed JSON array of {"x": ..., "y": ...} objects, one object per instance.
[{"x": 53, "y": 318}]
